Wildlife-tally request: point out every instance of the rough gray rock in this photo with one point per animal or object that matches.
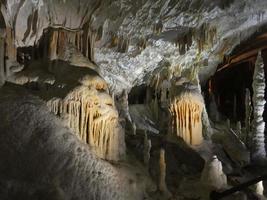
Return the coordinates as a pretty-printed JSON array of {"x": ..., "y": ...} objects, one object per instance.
[{"x": 41, "y": 159}]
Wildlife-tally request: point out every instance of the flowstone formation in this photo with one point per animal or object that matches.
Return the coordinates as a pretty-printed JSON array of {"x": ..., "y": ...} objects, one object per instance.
[
  {"x": 79, "y": 96},
  {"x": 186, "y": 107}
]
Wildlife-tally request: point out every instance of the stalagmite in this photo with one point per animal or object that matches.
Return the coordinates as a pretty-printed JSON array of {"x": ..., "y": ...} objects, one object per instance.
[
  {"x": 162, "y": 167},
  {"x": 234, "y": 108},
  {"x": 239, "y": 130},
  {"x": 258, "y": 152},
  {"x": 213, "y": 176},
  {"x": 228, "y": 123},
  {"x": 247, "y": 137},
  {"x": 186, "y": 109},
  {"x": 259, "y": 188},
  {"x": 134, "y": 128},
  {"x": 147, "y": 148}
]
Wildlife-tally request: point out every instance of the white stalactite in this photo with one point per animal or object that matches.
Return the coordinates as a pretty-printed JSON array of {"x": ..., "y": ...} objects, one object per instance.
[{"x": 258, "y": 145}]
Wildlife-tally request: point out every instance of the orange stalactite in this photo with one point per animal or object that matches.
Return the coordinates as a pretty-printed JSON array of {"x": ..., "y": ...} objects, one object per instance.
[{"x": 186, "y": 111}]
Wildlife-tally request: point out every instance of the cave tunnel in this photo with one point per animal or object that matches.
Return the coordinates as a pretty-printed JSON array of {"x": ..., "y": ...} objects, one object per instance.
[{"x": 235, "y": 75}]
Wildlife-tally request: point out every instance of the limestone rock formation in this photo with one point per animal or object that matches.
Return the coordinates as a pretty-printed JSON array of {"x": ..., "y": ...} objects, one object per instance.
[
  {"x": 79, "y": 96},
  {"x": 45, "y": 160},
  {"x": 125, "y": 48},
  {"x": 186, "y": 106},
  {"x": 213, "y": 176}
]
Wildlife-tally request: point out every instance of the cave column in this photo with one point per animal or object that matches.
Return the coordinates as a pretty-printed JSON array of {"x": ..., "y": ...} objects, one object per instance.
[{"x": 258, "y": 153}]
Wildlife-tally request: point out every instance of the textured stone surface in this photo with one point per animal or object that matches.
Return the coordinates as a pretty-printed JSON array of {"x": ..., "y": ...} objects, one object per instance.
[
  {"x": 135, "y": 36},
  {"x": 44, "y": 160}
]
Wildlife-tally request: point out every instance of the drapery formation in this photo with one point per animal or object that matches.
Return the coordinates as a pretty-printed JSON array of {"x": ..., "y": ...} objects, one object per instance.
[{"x": 185, "y": 113}]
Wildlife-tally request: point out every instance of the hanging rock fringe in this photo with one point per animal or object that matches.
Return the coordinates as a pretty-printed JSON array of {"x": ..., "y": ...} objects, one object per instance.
[
  {"x": 186, "y": 111},
  {"x": 94, "y": 122}
]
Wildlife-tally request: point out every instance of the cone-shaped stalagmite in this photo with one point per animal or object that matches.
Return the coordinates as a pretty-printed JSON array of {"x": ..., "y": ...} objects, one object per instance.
[{"x": 258, "y": 147}]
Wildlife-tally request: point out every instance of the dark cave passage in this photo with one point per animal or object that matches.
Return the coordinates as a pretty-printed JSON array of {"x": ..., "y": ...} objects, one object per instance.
[
  {"x": 235, "y": 75},
  {"x": 229, "y": 88}
]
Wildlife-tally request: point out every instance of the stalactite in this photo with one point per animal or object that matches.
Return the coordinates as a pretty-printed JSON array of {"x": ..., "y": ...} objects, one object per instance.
[
  {"x": 205, "y": 35},
  {"x": 2, "y": 61},
  {"x": 258, "y": 145},
  {"x": 247, "y": 137},
  {"x": 53, "y": 45},
  {"x": 186, "y": 117},
  {"x": 142, "y": 43},
  {"x": 147, "y": 148},
  {"x": 157, "y": 27},
  {"x": 10, "y": 50},
  {"x": 162, "y": 177},
  {"x": 93, "y": 119},
  {"x": 114, "y": 40},
  {"x": 184, "y": 42},
  {"x": 91, "y": 45},
  {"x": 123, "y": 44},
  {"x": 83, "y": 40}
]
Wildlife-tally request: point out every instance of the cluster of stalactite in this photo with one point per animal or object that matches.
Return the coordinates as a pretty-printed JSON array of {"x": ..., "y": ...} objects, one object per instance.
[
  {"x": 123, "y": 44},
  {"x": 184, "y": 42},
  {"x": 142, "y": 43},
  {"x": 186, "y": 116},
  {"x": 120, "y": 42},
  {"x": 92, "y": 117},
  {"x": 58, "y": 39},
  {"x": 157, "y": 27},
  {"x": 204, "y": 35},
  {"x": 161, "y": 83}
]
